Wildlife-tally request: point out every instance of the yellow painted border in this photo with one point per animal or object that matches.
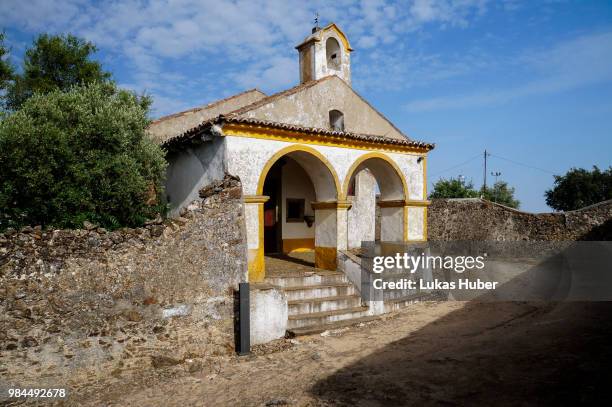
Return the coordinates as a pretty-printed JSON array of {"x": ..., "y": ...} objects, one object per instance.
[
  {"x": 292, "y": 136},
  {"x": 331, "y": 205},
  {"x": 425, "y": 197},
  {"x": 256, "y": 198},
  {"x": 367, "y": 156},
  {"x": 290, "y": 149},
  {"x": 298, "y": 244}
]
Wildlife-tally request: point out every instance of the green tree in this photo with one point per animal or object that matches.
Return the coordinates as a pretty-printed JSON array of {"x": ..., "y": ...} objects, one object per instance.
[
  {"x": 502, "y": 194},
  {"x": 579, "y": 188},
  {"x": 453, "y": 188},
  {"x": 67, "y": 157},
  {"x": 6, "y": 69},
  {"x": 55, "y": 62}
]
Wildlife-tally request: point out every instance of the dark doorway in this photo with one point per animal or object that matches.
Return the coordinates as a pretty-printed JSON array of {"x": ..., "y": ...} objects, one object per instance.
[{"x": 272, "y": 209}]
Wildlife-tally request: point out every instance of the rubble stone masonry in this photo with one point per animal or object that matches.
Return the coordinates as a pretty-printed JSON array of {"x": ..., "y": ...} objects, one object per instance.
[
  {"x": 477, "y": 219},
  {"x": 80, "y": 305}
]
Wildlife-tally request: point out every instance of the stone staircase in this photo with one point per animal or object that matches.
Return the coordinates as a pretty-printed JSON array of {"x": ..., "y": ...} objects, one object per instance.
[{"x": 319, "y": 300}]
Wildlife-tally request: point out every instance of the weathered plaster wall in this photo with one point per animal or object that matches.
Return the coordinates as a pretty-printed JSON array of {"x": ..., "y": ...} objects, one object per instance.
[
  {"x": 78, "y": 306},
  {"x": 192, "y": 168},
  {"x": 476, "y": 219},
  {"x": 361, "y": 215},
  {"x": 311, "y": 107},
  {"x": 296, "y": 184},
  {"x": 175, "y": 124},
  {"x": 269, "y": 313},
  {"x": 246, "y": 158}
]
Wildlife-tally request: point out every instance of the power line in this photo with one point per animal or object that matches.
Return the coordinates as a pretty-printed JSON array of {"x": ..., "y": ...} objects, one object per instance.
[
  {"x": 521, "y": 164},
  {"x": 458, "y": 165}
]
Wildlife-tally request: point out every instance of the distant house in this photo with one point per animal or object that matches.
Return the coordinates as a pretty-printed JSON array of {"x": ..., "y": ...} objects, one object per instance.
[{"x": 309, "y": 159}]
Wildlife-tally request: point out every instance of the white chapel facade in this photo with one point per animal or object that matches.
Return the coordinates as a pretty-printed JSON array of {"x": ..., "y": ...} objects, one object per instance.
[{"x": 315, "y": 161}]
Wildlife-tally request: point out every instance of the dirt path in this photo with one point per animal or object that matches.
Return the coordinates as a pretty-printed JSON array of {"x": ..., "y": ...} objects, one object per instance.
[{"x": 446, "y": 353}]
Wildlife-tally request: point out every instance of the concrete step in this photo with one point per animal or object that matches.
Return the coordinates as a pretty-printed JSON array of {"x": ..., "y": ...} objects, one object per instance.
[
  {"x": 314, "y": 330},
  {"x": 325, "y": 317},
  {"x": 319, "y": 291},
  {"x": 307, "y": 279},
  {"x": 311, "y": 305}
]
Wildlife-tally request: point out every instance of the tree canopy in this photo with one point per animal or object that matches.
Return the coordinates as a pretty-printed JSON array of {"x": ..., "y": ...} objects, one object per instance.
[
  {"x": 82, "y": 154},
  {"x": 501, "y": 193},
  {"x": 456, "y": 188},
  {"x": 55, "y": 62},
  {"x": 579, "y": 188},
  {"x": 453, "y": 188},
  {"x": 6, "y": 69}
]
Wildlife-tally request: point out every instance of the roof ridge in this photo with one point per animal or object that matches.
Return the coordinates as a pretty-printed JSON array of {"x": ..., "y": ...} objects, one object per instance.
[
  {"x": 209, "y": 105},
  {"x": 275, "y": 96}
]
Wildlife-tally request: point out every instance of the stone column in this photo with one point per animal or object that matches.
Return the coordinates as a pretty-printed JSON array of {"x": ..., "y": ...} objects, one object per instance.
[
  {"x": 253, "y": 211},
  {"x": 392, "y": 221},
  {"x": 416, "y": 220},
  {"x": 331, "y": 232}
]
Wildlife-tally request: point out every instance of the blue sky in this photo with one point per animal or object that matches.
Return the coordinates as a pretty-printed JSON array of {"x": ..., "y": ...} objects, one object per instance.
[{"x": 530, "y": 81}]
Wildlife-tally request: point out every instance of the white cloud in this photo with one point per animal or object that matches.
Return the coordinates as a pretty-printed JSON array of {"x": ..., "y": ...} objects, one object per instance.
[
  {"x": 257, "y": 35},
  {"x": 579, "y": 62}
]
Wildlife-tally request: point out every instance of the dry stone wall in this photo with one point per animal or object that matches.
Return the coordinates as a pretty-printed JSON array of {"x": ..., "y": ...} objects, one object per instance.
[
  {"x": 78, "y": 305},
  {"x": 477, "y": 219}
]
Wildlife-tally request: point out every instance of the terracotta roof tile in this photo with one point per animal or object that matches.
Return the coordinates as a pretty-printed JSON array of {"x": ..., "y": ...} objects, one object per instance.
[{"x": 333, "y": 134}]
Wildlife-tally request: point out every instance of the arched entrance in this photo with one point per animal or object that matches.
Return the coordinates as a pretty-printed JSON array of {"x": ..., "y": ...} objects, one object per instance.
[
  {"x": 298, "y": 190},
  {"x": 370, "y": 175}
]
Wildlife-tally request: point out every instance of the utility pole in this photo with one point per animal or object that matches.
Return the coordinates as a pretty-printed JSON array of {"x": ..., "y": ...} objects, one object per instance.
[
  {"x": 484, "y": 183},
  {"x": 495, "y": 174}
]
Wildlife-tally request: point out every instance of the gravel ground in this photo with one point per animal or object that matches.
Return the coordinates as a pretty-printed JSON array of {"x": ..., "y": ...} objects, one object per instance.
[{"x": 433, "y": 353}]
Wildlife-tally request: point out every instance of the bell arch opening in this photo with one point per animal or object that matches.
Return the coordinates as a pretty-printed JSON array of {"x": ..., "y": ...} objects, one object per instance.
[{"x": 333, "y": 53}]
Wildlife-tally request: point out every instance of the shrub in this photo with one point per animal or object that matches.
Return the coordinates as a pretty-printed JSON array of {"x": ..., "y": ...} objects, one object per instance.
[{"x": 67, "y": 157}]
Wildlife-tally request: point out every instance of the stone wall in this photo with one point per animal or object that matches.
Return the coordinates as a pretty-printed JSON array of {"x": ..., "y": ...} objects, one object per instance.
[
  {"x": 477, "y": 219},
  {"x": 80, "y": 305}
]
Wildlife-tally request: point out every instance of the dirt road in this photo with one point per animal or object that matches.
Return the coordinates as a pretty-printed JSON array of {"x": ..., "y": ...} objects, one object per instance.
[{"x": 446, "y": 353}]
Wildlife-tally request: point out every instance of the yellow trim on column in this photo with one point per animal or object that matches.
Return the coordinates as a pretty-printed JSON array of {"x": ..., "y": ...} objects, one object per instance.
[
  {"x": 405, "y": 223},
  {"x": 425, "y": 177},
  {"x": 402, "y": 202},
  {"x": 364, "y": 157},
  {"x": 325, "y": 258},
  {"x": 425, "y": 223},
  {"x": 298, "y": 245},
  {"x": 392, "y": 203},
  {"x": 257, "y": 266},
  {"x": 411, "y": 202},
  {"x": 331, "y": 205},
  {"x": 425, "y": 197},
  {"x": 256, "y": 198},
  {"x": 290, "y": 149}
]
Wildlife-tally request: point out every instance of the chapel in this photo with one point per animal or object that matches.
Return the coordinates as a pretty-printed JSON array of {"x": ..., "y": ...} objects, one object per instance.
[{"x": 321, "y": 169}]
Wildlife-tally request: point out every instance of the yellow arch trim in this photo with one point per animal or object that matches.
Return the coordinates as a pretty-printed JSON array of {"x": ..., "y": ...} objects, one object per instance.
[
  {"x": 290, "y": 149},
  {"x": 361, "y": 159},
  {"x": 340, "y": 34}
]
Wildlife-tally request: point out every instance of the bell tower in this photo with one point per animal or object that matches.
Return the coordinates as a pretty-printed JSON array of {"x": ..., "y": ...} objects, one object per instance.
[{"x": 325, "y": 52}]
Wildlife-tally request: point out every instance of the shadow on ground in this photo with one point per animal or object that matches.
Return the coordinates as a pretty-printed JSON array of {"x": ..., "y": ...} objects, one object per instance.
[
  {"x": 492, "y": 353},
  {"x": 542, "y": 354}
]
